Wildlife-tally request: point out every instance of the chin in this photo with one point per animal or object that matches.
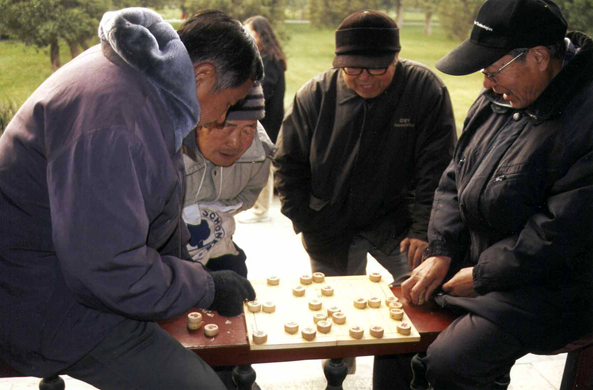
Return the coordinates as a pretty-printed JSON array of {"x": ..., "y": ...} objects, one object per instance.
[
  {"x": 225, "y": 163},
  {"x": 368, "y": 94}
]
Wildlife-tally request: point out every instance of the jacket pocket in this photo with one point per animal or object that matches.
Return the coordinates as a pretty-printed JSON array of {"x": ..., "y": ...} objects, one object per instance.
[{"x": 510, "y": 197}]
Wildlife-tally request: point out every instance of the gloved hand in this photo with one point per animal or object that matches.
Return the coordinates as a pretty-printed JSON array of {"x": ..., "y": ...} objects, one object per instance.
[{"x": 230, "y": 290}]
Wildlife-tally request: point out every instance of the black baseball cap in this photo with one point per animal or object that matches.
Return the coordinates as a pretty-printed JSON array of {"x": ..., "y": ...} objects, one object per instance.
[
  {"x": 366, "y": 39},
  {"x": 501, "y": 26}
]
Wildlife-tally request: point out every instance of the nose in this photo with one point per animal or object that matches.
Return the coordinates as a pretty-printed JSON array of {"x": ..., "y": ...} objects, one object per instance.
[
  {"x": 221, "y": 118},
  {"x": 233, "y": 139},
  {"x": 488, "y": 83},
  {"x": 365, "y": 75}
]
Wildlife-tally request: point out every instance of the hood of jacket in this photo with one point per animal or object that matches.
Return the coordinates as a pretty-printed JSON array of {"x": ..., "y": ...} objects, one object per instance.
[{"x": 144, "y": 41}]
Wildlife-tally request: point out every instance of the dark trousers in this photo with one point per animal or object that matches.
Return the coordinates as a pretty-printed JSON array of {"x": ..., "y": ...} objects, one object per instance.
[
  {"x": 471, "y": 354},
  {"x": 141, "y": 355}
]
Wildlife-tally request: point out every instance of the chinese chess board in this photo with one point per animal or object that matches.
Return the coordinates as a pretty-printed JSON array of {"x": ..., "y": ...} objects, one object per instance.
[{"x": 291, "y": 308}]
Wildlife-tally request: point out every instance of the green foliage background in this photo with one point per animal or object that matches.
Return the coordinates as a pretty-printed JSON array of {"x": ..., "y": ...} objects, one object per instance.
[{"x": 309, "y": 50}]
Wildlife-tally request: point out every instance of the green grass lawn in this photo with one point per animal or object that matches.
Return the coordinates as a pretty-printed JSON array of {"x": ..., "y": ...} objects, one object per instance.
[
  {"x": 309, "y": 50},
  {"x": 24, "y": 68}
]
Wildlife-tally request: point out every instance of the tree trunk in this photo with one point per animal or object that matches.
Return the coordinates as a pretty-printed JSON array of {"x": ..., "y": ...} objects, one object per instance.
[
  {"x": 427, "y": 24},
  {"x": 84, "y": 44},
  {"x": 54, "y": 55},
  {"x": 74, "y": 49},
  {"x": 399, "y": 11}
]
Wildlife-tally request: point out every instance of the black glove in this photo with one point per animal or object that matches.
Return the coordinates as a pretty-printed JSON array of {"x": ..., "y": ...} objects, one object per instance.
[{"x": 230, "y": 290}]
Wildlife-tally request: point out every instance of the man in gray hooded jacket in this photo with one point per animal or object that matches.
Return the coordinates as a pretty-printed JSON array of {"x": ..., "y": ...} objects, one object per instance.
[{"x": 91, "y": 190}]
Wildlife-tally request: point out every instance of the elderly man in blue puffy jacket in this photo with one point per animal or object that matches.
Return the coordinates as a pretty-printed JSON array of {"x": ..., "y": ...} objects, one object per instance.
[{"x": 92, "y": 243}]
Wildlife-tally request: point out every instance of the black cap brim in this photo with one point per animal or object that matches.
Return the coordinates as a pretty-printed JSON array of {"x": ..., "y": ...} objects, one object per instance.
[
  {"x": 363, "y": 61},
  {"x": 468, "y": 58}
]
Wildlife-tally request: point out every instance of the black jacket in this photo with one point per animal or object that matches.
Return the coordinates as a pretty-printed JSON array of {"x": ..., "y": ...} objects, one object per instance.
[
  {"x": 348, "y": 165},
  {"x": 274, "y": 87},
  {"x": 516, "y": 203}
]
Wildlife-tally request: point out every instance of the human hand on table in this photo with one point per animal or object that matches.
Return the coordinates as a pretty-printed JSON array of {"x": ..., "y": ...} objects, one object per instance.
[
  {"x": 415, "y": 249},
  {"x": 462, "y": 284},
  {"x": 425, "y": 279},
  {"x": 230, "y": 290}
]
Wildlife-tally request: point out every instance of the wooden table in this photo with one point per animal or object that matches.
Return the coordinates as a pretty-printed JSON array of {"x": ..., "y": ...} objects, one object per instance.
[{"x": 231, "y": 346}]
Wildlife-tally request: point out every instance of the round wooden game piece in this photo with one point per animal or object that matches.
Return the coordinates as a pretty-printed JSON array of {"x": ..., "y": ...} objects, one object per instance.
[
  {"x": 421, "y": 297},
  {"x": 273, "y": 280},
  {"x": 404, "y": 328},
  {"x": 375, "y": 277},
  {"x": 395, "y": 305},
  {"x": 291, "y": 327},
  {"x": 319, "y": 317},
  {"x": 194, "y": 317},
  {"x": 324, "y": 326},
  {"x": 377, "y": 332},
  {"x": 260, "y": 337},
  {"x": 315, "y": 304},
  {"x": 396, "y": 314},
  {"x": 332, "y": 310},
  {"x": 194, "y": 326},
  {"x": 318, "y": 277},
  {"x": 328, "y": 291},
  {"x": 374, "y": 302},
  {"x": 253, "y": 306},
  {"x": 211, "y": 330},
  {"x": 390, "y": 300},
  {"x": 360, "y": 303},
  {"x": 269, "y": 307},
  {"x": 356, "y": 332},
  {"x": 308, "y": 334},
  {"x": 339, "y": 318},
  {"x": 298, "y": 291},
  {"x": 306, "y": 279}
]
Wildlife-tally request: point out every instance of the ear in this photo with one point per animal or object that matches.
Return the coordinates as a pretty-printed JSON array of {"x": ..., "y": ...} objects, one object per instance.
[
  {"x": 204, "y": 72},
  {"x": 542, "y": 57}
]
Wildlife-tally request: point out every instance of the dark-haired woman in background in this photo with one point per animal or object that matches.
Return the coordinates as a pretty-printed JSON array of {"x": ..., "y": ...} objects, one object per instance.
[{"x": 274, "y": 87}]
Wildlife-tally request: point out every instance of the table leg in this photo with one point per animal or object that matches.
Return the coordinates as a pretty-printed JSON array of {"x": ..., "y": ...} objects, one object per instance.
[
  {"x": 335, "y": 372},
  {"x": 244, "y": 377}
]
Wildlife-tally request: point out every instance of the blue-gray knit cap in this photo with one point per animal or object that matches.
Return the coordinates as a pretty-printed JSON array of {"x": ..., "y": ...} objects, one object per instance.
[{"x": 252, "y": 107}]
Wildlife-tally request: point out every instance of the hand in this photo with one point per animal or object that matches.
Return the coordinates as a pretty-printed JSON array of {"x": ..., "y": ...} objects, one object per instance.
[
  {"x": 425, "y": 279},
  {"x": 415, "y": 249},
  {"x": 231, "y": 290},
  {"x": 462, "y": 284}
]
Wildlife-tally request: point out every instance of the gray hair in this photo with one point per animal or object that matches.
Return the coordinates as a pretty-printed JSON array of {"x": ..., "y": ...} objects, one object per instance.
[
  {"x": 557, "y": 51},
  {"x": 213, "y": 37}
]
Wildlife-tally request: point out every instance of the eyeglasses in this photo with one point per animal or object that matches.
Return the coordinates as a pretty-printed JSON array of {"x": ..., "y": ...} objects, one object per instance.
[
  {"x": 491, "y": 76},
  {"x": 370, "y": 71}
]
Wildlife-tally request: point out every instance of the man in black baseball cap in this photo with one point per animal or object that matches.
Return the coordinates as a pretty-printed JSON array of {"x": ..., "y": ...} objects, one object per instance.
[
  {"x": 510, "y": 236},
  {"x": 502, "y": 26},
  {"x": 357, "y": 141}
]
